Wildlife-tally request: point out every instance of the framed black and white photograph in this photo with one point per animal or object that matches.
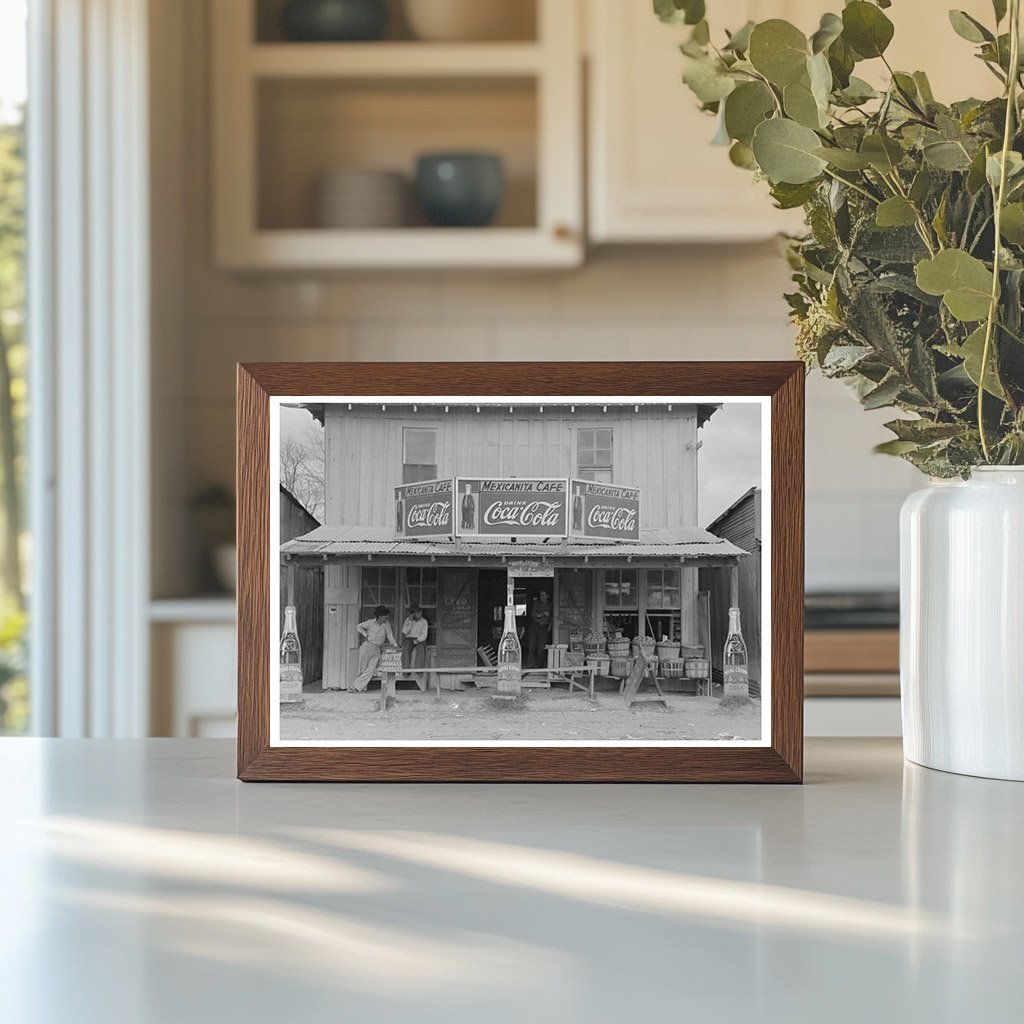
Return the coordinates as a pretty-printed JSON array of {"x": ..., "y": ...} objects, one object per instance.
[{"x": 525, "y": 585}]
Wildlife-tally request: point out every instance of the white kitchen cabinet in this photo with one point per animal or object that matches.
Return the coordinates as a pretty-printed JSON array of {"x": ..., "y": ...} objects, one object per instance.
[
  {"x": 286, "y": 113},
  {"x": 653, "y": 175}
]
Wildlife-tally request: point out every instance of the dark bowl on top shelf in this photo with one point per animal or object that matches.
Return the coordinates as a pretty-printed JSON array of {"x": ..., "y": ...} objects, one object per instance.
[
  {"x": 462, "y": 189},
  {"x": 334, "y": 21}
]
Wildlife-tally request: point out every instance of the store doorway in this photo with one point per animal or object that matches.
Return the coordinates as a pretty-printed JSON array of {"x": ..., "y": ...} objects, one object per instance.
[
  {"x": 492, "y": 584},
  {"x": 536, "y": 598}
]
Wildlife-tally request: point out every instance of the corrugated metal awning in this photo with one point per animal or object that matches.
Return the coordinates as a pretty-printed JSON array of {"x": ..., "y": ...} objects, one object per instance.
[{"x": 362, "y": 542}]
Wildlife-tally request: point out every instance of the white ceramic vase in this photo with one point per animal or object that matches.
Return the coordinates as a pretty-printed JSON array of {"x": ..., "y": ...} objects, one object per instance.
[{"x": 962, "y": 624}]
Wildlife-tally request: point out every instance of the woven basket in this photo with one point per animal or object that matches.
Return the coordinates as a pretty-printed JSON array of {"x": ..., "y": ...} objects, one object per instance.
[
  {"x": 621, "y": 667},
  {"x": 690, "y": 651},
  {"x": 572, "y": 659},
  {"x": 673, "y": 668},
  {"x": 668, "y": 650},
  {"x": 594, "y": 646},
  {"x": 618, "y": 648},
  {"x": 696, "y": 668},
  {"x": 601, "y": 662}
]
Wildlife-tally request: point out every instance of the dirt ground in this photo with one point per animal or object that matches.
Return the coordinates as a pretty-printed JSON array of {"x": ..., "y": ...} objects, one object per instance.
[{"x": 543, "y": 715}]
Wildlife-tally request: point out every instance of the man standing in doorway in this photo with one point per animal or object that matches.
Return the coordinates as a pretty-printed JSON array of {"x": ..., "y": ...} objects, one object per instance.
[
  {"x": 414, "y": 644},
  {"x": 375, "y": 633},
  {"x": 538, "y": 630}
]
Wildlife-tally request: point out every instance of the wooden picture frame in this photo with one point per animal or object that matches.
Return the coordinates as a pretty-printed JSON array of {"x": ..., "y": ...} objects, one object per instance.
[{"x": 779, "y": 759}]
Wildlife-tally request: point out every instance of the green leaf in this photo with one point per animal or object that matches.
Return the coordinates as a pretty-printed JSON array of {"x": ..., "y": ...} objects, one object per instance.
[
  {"x": 883, "y": 153},
  {"x": 999, "y": 7},
  {"x": 896, "y": 212},
  {"x": 976, "y": 173},
  {"x": 896, "y": 447},
  {"x": 829, "y": 30},
  {"x": 785, "y": 152},
  {"x": 800, "y": 105},
  {"x": 741, "y": 155},
  {"x": 946, "y": 156},
  {"x": 971, "y": 352},
  {"x": 708, "y": 80},
  {"x": 701, "y": 33},
  {"x": 739, "y": 41},
  {"x": 994, "y": 168},
  {"x": 676, "y": 12},
  {"x": 866, "y": 29},
  {"x": 924, "y": 87},
  {"x": 820, "y": 76},
  {"x": 844, "y": 159},
  {"x": 841, "y": 60},
  {"x": 778, "y": 50},
  {"x": 969, "y": 28},
  {"x": 789, "y": 197},
  {"x": 885, "y": 394},
  {"x": 921, "y": 185},
  {"x": 963, "y": 281},
  {"x": 858, "y": 91},
  {"x": 1012, "y": 224},
  {"x": 745, "y": 108}
]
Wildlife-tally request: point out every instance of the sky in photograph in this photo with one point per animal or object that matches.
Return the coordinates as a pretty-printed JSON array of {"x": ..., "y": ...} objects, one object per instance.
[{"x": 730, "y": 459}]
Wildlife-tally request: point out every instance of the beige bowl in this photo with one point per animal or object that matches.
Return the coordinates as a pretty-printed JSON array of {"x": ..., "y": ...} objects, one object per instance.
[{"x": 471, "y": 20}]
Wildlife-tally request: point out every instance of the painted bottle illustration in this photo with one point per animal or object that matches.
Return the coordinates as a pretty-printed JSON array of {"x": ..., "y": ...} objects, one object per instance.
[
  {"x": 510, "y": 652},
  {"x": 400, "y": 515},
  {"x": 577, "y": 511},
  {"x": 734, "y": 663},
  {"x": 290, "y": 678},
  {"x": 468, "y": 511}
]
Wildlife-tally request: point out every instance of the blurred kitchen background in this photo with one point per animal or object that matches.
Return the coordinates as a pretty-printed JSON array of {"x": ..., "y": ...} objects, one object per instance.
[{"x": 289, "y": 219}]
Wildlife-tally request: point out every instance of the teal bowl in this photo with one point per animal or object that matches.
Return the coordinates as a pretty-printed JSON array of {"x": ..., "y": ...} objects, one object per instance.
[
  {"x": 460, "y": 190},
  {"x": 334, "y": 21}
]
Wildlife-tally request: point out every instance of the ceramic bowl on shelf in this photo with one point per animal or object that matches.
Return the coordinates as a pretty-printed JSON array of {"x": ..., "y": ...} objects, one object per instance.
[
  {"x": 332, "y": 21},
  {"x": 467, "y": 21},
  {"x": 361, "y": 198},
  {"x": 460, "y": 189}
]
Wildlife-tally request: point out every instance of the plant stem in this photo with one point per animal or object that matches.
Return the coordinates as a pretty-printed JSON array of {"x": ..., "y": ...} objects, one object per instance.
[
  {"x": 855, "y": 187},
  {"x": 993, "y": 309}
]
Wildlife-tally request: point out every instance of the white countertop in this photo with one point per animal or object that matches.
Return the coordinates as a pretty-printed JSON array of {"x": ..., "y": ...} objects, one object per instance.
[{"x": 143, "y": 885}]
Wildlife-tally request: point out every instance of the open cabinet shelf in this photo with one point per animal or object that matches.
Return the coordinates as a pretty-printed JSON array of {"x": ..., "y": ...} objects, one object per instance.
[{"x": 286, "y": 114}]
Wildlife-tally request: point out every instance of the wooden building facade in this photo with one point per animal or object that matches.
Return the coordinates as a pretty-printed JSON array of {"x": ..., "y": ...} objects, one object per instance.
[
  {"x": 740, "y": 524},
  {"x": 643, "y": 585}
]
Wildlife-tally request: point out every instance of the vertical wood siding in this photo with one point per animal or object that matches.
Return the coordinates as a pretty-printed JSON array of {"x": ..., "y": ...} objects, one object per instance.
[{"x": 653, "y": 449}]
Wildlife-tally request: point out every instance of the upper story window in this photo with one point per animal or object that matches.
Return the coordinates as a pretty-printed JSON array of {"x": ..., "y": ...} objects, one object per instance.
[
  {"x": 594, "y": 454},
  {"x": 419, "y": 454}
]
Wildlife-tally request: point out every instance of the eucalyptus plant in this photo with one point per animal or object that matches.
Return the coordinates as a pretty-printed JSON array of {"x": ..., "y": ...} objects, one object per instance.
[{"x": 910, "y": 278}]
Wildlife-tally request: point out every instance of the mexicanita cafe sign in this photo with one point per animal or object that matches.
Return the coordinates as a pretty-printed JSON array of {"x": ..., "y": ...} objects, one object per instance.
[
  {"x": 506, "y": 507},
  {"x": 604, "y": 510},
  {"x": 425, "y": 509}
]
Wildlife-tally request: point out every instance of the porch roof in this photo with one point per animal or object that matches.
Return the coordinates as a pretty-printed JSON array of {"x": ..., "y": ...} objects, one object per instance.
[{"x": 690, "y": 544}]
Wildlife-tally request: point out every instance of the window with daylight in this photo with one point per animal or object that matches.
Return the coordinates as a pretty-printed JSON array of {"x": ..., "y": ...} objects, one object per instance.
[
  {"x": 419, "y": 454},
  {"x": 14, "y": 537},
  {"x": 378, "y": 586},
  {"x": 594, "y": 454},
  {"x": 622, "y": 601},
  {"x": 421, "y": 589},
  {"x": 664, "y": 606}
]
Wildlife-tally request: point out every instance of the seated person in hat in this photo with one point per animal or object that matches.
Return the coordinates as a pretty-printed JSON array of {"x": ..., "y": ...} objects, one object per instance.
[{"x": 414, "y": 644}]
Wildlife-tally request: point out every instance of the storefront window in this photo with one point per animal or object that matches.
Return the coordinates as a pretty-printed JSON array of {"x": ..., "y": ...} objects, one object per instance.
[
  {"x": 379, "y": 586},
  {"x": 664, "y": 607},
  {"x": 419, "y": 454},
  {"x": 594, "y": 454},
  {"x": 421, "y": 589},
  {"x": 622, "y": 601}
]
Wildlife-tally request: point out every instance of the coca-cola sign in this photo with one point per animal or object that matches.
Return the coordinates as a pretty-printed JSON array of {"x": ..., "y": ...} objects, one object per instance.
[
  {"x": 511, "y": 508},
  {"x": 604, "y": 510},
  {"x": 425, "y": 509}
]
